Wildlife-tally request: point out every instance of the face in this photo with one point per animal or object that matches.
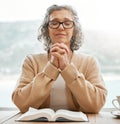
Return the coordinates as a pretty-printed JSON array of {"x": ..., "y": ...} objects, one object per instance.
[{"x": 61, "y": 34}]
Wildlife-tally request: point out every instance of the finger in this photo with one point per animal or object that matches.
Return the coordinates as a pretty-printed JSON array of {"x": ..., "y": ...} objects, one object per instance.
[
  {"x": 59, "y": 50},
  {"x": 54, "y": 61},
  {"x": 56, "y": 54},
  {"x": 60, "y": 58},
  {"x": 61, "y": 46}
]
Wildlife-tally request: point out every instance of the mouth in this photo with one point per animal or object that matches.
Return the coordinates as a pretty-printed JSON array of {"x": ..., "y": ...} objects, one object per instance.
[{"x": 60, "y": 34}]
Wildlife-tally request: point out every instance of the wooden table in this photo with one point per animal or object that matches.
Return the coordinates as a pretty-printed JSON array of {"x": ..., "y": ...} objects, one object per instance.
[
  {"x": 7, "y": 113},
  {"x": 104, "y": 117}
]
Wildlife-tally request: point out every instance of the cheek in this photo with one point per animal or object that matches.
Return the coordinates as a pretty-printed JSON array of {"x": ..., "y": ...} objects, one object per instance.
[
  {"x": 50, "y": 33},
  {"x": 70, "y": 34}
]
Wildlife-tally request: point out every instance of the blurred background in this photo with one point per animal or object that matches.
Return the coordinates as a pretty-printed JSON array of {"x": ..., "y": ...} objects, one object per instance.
[{"x": 19, "y": 23}]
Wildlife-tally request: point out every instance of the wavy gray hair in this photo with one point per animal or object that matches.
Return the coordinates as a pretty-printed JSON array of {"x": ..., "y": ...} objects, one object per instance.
[{"x": 76, "y": 40}]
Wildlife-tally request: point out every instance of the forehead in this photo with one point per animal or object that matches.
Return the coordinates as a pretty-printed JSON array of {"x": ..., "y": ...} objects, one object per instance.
[{"x": 61, "y": 14}]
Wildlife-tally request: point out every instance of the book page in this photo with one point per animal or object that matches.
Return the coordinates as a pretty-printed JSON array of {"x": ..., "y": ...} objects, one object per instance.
[
  {"x": 71, "y": 115},
  {"x": 33, "y": 114}
]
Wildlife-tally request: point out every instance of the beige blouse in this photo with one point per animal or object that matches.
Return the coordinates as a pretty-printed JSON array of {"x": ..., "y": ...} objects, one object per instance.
[{"x": 38, "y": 83}]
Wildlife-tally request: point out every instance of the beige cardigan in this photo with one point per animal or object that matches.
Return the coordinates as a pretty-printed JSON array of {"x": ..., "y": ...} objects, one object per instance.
[{"x": 84, "y": 84}]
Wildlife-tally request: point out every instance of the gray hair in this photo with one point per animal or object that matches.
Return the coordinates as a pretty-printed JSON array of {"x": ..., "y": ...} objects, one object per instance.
[{"x": 76, "y": 40}]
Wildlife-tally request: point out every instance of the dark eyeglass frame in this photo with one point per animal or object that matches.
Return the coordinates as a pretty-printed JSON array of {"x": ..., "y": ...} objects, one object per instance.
[{"x": 59, "y": 23}]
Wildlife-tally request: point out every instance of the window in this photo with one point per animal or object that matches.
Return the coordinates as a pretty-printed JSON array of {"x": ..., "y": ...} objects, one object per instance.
[{"x": 18, "y": 37}]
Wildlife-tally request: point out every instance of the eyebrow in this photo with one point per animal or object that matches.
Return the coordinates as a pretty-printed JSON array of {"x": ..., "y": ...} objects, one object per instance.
[{"x": 57, "y": 19}]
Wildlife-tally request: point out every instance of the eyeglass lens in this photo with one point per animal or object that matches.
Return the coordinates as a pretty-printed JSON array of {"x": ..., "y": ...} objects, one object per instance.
[{"x": 56, "y": 24}]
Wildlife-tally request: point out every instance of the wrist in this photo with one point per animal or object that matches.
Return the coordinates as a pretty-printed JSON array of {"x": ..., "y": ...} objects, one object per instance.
[{"x": 63, "y": 67}]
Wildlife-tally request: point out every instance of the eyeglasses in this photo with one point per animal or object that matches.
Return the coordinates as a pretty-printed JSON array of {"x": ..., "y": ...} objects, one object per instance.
[{"x": 56, "y": 24}]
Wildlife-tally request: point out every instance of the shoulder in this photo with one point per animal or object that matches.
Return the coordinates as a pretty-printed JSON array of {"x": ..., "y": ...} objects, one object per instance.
[
  {"x": 37, "y": 56},
  {"x": 83, "y": 60},
  {"x": 33, "y": 58},
  {"x": 85, "y": 57},
  {"x": 88, "y": 64}
]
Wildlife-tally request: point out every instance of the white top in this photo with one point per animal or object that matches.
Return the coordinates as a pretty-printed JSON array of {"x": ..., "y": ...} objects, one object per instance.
[{"x": 58, "y": 94}]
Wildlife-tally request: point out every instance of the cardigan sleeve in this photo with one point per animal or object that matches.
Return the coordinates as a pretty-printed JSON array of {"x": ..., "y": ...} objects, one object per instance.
[
  {"x": 32, "y": 89},
  {"x": 88, "y": 89}
]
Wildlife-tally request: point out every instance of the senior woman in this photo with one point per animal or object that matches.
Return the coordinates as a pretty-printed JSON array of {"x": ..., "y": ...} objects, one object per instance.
[{"x": 60, "y": 78}]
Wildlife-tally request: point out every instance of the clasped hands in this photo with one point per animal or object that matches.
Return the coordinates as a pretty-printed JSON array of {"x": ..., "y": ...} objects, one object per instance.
[{"x": 60, "y": 55}]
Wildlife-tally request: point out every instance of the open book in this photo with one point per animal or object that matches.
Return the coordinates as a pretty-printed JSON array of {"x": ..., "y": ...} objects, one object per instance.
[{"x": 48, "y": 114}]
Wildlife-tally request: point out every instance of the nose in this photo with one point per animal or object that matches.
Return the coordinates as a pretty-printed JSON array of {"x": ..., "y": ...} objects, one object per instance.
[{"x": 61, "y": 27}]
